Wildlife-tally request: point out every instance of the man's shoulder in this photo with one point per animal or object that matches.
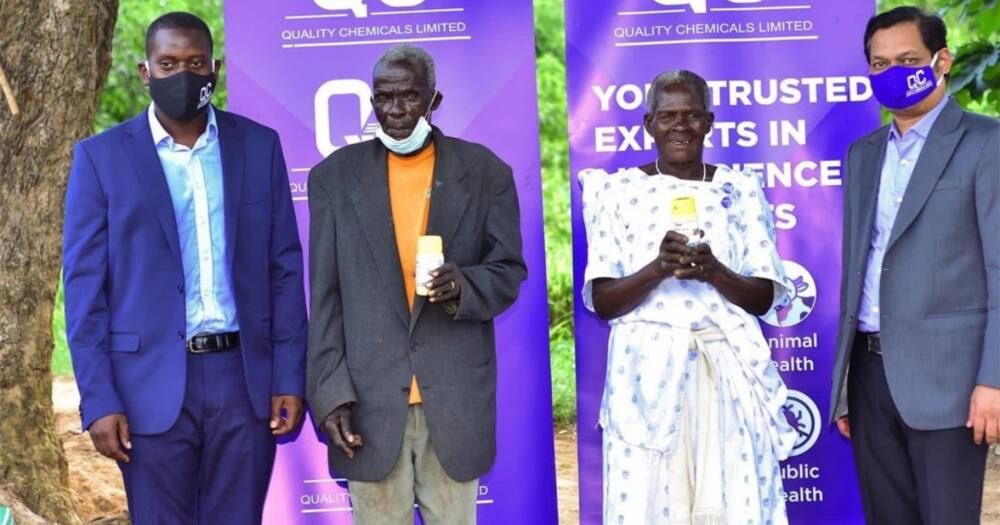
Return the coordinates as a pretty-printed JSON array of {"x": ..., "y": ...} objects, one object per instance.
[
  {"x": 113, "y": 135},
  {"x": 979, "y": 122},
  {"x": 472, "y": 152},
  {"x": 345, "y": 156},
  {"x": 245, "y": 125},
  {"x": 872, "y": 138}
]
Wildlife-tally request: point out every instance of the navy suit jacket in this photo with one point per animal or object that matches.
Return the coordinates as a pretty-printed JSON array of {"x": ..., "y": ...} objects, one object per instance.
[{"x": 124, "y": 282}]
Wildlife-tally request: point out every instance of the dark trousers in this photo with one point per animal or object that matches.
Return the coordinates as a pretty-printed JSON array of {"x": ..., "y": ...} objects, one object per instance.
[
  {"x": 213, "y": 466},
  {"x": 908, "y": 476}
]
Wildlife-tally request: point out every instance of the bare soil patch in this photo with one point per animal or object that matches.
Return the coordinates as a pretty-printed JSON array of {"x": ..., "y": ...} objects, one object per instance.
[{"x": 97, "y": 485}]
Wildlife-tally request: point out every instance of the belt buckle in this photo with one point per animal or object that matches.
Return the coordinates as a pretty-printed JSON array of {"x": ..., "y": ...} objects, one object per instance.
[
  {"x": 874, "y": 344},
  {"x": 191, "y": 349}
]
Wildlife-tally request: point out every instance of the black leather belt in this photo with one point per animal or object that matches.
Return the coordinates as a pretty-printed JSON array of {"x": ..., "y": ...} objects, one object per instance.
[
  {"x": 871, "y": 341},
  {"x": 208, "y": 343}
]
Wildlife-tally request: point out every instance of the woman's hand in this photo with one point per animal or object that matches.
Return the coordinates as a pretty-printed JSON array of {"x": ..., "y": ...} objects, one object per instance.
[
  {"x": 700, "y": 265},
  {"x": 673, "y": 249}
]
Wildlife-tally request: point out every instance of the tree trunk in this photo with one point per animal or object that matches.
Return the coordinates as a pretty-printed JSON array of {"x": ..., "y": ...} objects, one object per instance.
[{"x": 56, "y": 55}]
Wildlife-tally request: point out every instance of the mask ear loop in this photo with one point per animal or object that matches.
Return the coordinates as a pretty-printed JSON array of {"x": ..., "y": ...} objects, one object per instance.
[
  {"x": 427, "y": 115},
  {"x": 937, "y": 79}
]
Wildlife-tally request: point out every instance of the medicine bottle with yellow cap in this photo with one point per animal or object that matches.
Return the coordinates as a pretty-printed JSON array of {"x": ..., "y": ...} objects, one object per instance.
[{"x": 430, "y": 256}]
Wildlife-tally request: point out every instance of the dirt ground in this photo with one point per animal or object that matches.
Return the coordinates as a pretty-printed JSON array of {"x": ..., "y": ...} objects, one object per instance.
[{"x": 97, "y": 487}]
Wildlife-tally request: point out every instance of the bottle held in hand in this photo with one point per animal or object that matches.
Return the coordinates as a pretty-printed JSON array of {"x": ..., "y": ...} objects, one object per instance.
[
  {"x": 430, "y": 256},
  {"x": 684, "y": 216}
]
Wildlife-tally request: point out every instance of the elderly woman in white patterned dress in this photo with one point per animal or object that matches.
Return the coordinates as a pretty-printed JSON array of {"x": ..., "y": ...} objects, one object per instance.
[{"x": 692, "y": 406}]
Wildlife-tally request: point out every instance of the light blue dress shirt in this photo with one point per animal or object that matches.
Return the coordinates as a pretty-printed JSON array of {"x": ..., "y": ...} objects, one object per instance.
[
  {"x": 194, "y": 176},
  {"x": 901, "y": 154}
]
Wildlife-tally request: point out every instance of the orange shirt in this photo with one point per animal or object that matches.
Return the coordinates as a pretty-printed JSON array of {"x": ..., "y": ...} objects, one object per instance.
[{"x": 409, "y": 198}]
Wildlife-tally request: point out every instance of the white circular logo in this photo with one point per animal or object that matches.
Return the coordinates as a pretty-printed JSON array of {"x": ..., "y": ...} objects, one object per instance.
[
  {"x": 803, "y": 416},
  {"x": 795, "y": 307}
]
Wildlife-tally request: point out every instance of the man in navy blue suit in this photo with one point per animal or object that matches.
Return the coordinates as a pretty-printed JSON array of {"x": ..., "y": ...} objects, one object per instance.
[{"x": 185, "y": 309}]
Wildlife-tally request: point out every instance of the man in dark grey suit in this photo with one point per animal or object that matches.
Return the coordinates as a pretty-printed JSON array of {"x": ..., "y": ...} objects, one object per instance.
[
  {"x": 403, "y": 385},
  {"x": 920, "y": 295}
]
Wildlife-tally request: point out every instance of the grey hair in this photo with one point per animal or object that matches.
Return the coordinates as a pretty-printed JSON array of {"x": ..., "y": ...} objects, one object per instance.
[
  {"x": 412, "y": 54},
  {"x": 678, "y": 77}
]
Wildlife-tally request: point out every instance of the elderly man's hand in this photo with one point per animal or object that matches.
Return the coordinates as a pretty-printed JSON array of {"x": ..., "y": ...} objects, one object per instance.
[
  {"x": 445, "y": 285},
  {"x": 984, "y": 415},
  {"x": 337, "y": 427}
]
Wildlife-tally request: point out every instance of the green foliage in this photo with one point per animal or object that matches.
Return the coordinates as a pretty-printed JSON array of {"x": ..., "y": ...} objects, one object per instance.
[
  {"x": 61, "y": 364},
  {"x": 974, "y": 40},
  {"x": 550, "y": 51},
  {"x": 124, "y": 95}
]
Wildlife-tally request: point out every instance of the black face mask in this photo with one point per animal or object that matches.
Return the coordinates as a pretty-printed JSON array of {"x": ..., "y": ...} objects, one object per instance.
[{"x": 182, "y": 96}]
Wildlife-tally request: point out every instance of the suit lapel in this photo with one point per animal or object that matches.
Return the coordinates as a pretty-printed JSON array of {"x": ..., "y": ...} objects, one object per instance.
[
  {"x": 371, "y": 203},
  {"x": 872, "y": 159},
  {"x": 937, "y": 151},
  {"x": 231, "y": 146},
  {"x": 448, "y": 202},
  {"x": 147, "y": 164}
]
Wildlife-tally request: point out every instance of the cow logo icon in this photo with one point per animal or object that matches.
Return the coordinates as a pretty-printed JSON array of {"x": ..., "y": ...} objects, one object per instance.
[
  {"x": 797, "y": 305},
  {"x": 339, "y": 89},
  {"x": 802, "y": 414}
]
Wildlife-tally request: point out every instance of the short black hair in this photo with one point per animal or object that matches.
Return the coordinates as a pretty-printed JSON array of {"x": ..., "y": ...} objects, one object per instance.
[
  {"x": 932, "y": 28},
  {"x": 177, "y": 20}
]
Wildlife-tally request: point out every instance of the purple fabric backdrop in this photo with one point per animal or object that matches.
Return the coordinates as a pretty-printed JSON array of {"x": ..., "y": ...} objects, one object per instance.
[
  {"x": 811, "y": 50},
  {"x": 303, "y": 67}
]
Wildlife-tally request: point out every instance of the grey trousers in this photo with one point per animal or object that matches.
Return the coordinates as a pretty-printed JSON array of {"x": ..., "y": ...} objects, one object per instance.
[{"x": 417, "y": 477}]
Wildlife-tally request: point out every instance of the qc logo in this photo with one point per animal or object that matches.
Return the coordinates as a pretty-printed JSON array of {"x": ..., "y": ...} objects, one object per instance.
[
  {"x": 803, "y": 415},
  {"x": 342, "y": 90},
  {"x": 917, "y": 82},
  {"x": 800, "y": 303},
  {"x": 700, "y": 6},
  {"x": 360, "y": 7},
  {"x": 205, "y": 94}
]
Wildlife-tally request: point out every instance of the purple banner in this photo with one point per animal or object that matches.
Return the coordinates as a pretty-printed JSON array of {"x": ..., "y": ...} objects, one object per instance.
[
  {"x": 790, "y": 93},
  {"x": 304, "y": 68}
]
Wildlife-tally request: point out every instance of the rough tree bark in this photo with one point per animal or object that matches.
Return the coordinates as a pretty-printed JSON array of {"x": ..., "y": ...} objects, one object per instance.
[{"x": 56, "y": 55}]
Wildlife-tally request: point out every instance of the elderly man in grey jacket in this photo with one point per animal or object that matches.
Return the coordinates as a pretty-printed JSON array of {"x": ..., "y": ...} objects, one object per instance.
[{"x": 404, "y": 385}]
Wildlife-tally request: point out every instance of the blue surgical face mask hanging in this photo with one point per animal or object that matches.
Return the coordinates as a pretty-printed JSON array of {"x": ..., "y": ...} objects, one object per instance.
[
  {"x": 416, "y": 139},
  {"x": 901, "y": 87}
]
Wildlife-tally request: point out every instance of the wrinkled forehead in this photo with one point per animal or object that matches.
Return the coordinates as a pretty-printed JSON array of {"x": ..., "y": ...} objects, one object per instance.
[
  {"x": 677, "y": 96},
  {"x": 409, "y": 73}
]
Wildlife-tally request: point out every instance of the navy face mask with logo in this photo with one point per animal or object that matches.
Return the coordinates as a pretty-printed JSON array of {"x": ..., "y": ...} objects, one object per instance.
[
  {"x": 182, "y": 96},
  {"x": 901, "y": 87}
]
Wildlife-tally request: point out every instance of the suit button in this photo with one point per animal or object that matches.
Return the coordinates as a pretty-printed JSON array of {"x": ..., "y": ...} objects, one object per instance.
[
  {"x": 414, "y": 347},
  {"x": 180, "y": 335},
  {"x": 180, "y": 288},
  {"x": 406, "y": 390}
]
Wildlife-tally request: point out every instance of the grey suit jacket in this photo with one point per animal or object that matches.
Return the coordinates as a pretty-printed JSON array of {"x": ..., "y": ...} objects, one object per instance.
[
  {"x": 940, "y": 281},
  {"x": 364, "y": 343}
]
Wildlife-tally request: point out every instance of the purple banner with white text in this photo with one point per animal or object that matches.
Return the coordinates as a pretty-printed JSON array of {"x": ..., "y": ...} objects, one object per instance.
[
  {"x": 788, "y": 86},
  {"x": 303, "y": 67}
]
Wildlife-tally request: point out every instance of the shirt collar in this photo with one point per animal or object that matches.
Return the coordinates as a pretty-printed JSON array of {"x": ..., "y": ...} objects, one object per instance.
[
  {"x": 160, "y": 134},
  {"x": 923, "y": 126}
]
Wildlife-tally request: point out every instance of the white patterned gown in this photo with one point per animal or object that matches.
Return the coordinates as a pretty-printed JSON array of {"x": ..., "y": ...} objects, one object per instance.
[{"x": 692, "y": 404}]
